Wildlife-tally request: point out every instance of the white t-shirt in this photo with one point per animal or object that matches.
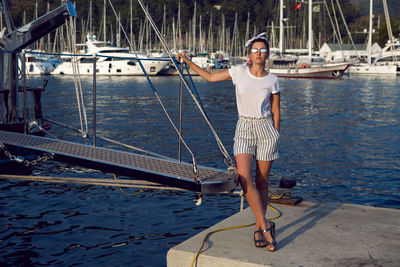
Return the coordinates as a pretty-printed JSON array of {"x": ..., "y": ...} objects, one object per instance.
[{"x": 253, "y": 93}]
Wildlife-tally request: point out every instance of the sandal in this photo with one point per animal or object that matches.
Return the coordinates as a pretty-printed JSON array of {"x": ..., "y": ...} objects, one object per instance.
[
  {"x": 258, "y": 241},
  {"x": 271, "y": 229}
]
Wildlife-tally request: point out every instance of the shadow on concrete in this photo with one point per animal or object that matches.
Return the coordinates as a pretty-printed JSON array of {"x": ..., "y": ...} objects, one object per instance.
[{"x": 314, "y": 214}]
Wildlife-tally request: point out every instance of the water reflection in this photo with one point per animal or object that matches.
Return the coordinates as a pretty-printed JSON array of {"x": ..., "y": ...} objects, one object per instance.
[{"x": 338, "y": 139}]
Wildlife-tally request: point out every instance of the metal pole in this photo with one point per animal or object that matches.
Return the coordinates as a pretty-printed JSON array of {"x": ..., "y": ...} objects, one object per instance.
[
  {"x": 280, "y": 27},
  {"x": 180, "y": 116},
  {"x": 371, "y": 16},
  {"x": 310, "y": 34},
  {"x": 94, "y": 99},
  {"x": 25, "y": 96}
]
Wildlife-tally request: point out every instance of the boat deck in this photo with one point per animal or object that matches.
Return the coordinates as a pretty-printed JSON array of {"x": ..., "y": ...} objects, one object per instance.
[{"x": 168, "y": 172}]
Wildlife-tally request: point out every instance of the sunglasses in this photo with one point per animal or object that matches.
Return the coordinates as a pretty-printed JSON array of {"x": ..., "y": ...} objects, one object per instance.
[{"x": 262, "y": 50}]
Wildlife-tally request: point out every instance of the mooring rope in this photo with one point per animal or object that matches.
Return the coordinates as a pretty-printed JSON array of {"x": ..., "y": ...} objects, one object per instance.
[{"x": 91, "y": 181}]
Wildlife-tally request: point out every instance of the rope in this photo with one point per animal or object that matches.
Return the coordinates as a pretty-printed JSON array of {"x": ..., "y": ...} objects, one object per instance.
[
  {"x": 333, "y": 25},
  {"x": 156, "y": 94},
  {"x": 126, "y": 183},
  {"x": 77, "y": 81},
  {"x": 194, "y": 88},
  {"x": 228, "y": 161},
  {"x": 128, "y": 194},
  {"x": 225, "y": 154},
  {"x": 231, "y": 228},
  {"x": 347, "y": 28},
  {"x": 91, "y": 181}
]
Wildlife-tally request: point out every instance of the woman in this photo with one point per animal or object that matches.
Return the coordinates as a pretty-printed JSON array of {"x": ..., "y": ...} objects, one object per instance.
[{"x": 257, "y": 130}]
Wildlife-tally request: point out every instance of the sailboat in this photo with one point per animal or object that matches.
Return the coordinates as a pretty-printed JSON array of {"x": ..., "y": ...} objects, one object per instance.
[
  {"x": 390, "y": 55},
  {"x": 291, "y": 66},
  {"x": 378, "y": 67}
]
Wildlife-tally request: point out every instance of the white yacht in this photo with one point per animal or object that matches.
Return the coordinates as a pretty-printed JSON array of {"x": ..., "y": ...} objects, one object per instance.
[
  {"x": 203, "y": 61},
  {"x": 390, "y": 55},
  {"x": 110, "y": 60},
  {"x": 37, "y": 64},
  {"x": 373, "y": 69},
  {"x": 376, "y": 67}
]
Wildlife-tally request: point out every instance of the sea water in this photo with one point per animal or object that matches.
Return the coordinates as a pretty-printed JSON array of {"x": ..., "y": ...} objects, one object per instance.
[{"x": 339, "y": 140}]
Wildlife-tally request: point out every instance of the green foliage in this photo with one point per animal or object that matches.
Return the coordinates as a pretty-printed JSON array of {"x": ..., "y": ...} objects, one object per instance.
[{"x": 262, "y": 14}]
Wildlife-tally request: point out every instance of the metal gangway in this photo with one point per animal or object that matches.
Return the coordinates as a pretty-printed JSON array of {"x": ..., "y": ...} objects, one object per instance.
[{"x": 138, "y": 166}]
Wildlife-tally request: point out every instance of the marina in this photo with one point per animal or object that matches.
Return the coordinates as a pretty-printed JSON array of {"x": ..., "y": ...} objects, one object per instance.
[
  {"x": 109, "y": 160},
  {"x": 312, "y": 234},
  {"x": 99, "y": 225}
]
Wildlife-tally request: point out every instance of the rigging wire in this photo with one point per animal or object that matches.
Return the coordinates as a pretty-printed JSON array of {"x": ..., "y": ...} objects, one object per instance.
[
  {"x": 77, "y": 81},
  {"x": 112, "y": 141},
  {"x": 224, "y": 152},
  {"x": 332, "y": 24},
  {"x": 156, "y": 94},
  {"x": 347, "y": 28}
]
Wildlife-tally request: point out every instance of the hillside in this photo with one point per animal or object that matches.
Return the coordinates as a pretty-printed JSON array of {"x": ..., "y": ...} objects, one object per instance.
[
  {"x": 261, "y": 13},
  {"x": 393, "y": 5}
]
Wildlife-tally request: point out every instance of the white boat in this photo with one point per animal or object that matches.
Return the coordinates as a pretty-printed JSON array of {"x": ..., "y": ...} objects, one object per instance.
[
  {"x": 390, "y": 55},
  {"x": 310, "y": 66},
  {"x": 373, "y": 69},
  {"x": 381, "y": 68},
  {"x": 111, "y": 61},
  {"x": 37, "y": 64},
  {"x": 300, "y": 67},
  {"x": 203, "y": 61}
]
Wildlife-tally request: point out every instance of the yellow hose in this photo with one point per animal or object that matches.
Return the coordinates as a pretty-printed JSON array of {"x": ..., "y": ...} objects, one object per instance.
[{"x": 231, "y": 228}]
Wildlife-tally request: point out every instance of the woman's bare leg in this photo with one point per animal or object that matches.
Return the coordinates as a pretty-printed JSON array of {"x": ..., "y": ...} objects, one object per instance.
[
  {"x": 244, "y": 165},
  {"x": 262, "y": 176}
]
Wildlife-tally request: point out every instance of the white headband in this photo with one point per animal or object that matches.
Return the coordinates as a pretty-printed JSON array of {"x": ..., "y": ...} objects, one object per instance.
[{"x": 261, "y": 36}]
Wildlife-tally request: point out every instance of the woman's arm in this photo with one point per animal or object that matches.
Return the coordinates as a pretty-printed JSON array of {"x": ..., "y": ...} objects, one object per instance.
[
  {"x": 211, "y": 77},
  {"x": 276, "y": 110}
]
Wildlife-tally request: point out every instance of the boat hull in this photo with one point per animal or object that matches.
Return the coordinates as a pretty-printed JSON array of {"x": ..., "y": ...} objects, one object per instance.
[
  {"x": 333, "y": 71},
  {"x": 387, "y": 70},
  {"x": 119, "y": 68}
]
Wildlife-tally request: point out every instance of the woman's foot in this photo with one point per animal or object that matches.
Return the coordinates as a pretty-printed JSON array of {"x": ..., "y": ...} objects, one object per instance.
[
  {"x": 259, "y": 240},
  {"x": 269, "y": 235}
]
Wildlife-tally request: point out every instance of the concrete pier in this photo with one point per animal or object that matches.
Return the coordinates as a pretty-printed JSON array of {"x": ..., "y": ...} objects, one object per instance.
[{"x": 309, "y": 234}]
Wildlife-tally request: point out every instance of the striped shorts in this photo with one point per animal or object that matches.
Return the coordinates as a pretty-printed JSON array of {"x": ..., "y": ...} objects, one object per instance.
[{"x": 257, "y": 137}]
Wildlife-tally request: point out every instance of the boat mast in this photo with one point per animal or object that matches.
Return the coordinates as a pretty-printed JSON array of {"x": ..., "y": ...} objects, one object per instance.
[
  {"x": 310, "y": 34},
  {"x": 281, "y": 27},
  {"x": 104, "y": 21},
  {"x": 246, "y": 37},
  {"x": 389, "y": 29},
  {"x": 119, "y": 30},
  {"x": 194, "y": 28},
  {"x": 90, "y": 18},
  {"x": 370, "y": 32},
  {"x": 179, "y": 27},
  {"x": 48, "y": 36},
  {"x": 1, "y": 18},
  {"x": 173, "y": 33},
  {"x": 210, "y": 38}
]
